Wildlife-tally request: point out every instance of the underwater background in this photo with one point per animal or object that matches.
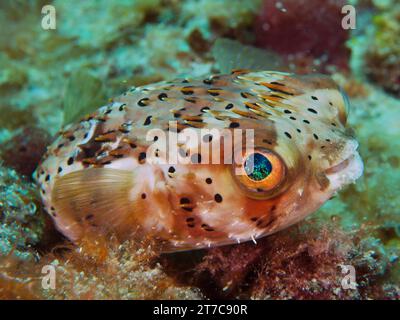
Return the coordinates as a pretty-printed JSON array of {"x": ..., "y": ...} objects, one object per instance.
[{"x": 99, "y": 49}]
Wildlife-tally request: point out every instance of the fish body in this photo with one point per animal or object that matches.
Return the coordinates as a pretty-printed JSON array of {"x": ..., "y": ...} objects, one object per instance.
[{"x": 112, "y": 171}]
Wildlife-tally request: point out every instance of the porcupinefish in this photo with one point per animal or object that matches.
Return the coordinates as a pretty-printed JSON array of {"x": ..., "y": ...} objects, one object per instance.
[{"x": 99, "y": 173}]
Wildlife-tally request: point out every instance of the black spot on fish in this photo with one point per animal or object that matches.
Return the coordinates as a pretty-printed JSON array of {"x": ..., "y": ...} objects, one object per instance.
[
  {"x": 196, "y": 158},
  {"x": 162, "y": 96},
  {"x": 142, "y": 157},
  {"x": 147, "y": 121},
  {"x": 207, "y": 138},
  {"x": 190, "y": 100},
  {"x": 171, "y": 169},
  {"x": 218, "y": 198},
  {"x": 288, "y": 135},
  {"x": 312, "y": 110},
  {"x": 143, "y": 102},
  {"x": 214, "y": 91},
  {"x": 187, "y": 90}
]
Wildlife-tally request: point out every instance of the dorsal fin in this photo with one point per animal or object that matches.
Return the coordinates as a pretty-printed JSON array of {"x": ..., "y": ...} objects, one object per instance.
[{"x": 83, "y": 95}]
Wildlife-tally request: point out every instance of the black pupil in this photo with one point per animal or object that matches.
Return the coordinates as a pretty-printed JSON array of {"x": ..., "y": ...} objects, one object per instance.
[{"x": 257, "y": 167}]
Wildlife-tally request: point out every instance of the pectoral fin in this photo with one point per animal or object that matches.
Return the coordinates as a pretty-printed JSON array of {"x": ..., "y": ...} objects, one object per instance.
[{"x": 97, "y": 197}]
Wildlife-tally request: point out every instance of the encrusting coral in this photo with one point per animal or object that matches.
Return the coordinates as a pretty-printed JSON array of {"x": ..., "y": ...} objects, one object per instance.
[{"x": 22, "y": 221}]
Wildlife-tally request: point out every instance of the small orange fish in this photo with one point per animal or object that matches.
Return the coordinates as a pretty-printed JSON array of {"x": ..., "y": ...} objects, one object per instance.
[{"x": 99, "y": 172}]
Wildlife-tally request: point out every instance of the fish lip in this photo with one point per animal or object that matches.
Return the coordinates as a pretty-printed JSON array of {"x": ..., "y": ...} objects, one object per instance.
[
  {"x": 340, "y": 166},
  {"x": 348, "y": 150},
  {"x": 345, "y": 172}
]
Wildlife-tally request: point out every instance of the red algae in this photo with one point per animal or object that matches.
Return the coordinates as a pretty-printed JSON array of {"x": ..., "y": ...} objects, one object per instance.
[
  {"x": 25, "y": 149},
  {"x": 304, "y": 262},
  {"x": 308, "y": 33}
]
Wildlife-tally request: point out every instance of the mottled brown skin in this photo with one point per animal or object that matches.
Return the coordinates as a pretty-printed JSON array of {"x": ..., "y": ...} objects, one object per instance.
[{"x": 97, "y": 173}]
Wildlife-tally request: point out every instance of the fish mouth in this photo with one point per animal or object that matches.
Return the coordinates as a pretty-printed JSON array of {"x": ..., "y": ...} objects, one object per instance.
[
  {"x": 339, "y": 167},
  {"x": 345, "y": 172}
]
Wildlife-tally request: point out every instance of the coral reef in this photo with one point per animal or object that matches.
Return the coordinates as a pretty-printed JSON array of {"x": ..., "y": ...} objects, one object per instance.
[
  {"x": 22, "y": 223},
  {"x": 307, "y": 32},
  {"x": 97, "y": 268},
  {"x": 304, "y": 262},
  {"x": 143, "y": 41}
]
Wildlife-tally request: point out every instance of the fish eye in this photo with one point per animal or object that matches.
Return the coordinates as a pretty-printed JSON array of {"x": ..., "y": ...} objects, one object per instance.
[
  {"x": 257, "y": 167},
  {"x": 263, "y": 171}
]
